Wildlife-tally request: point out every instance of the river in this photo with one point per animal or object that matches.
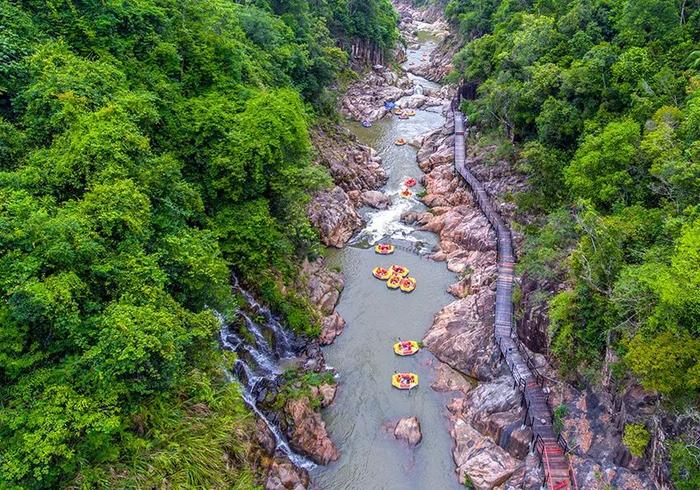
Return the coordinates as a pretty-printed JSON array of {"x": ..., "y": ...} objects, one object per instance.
[{"x": 376, "y": 316}]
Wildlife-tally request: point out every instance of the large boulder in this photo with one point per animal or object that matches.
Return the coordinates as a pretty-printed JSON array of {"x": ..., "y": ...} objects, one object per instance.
[
  {"x": 331, "y": 327},
  {"x": 375, "y": 199},
  {"x": 352, "y": 165},
  {"x": 322, "y": 285},
  {"x": 307, "y": 431},
  {"x": 479, "y": 460},
  {"x": 462, "y": 336},
  {"x": 408, "y": 429},
  {"x": 333, "y": 214},
  {"x": 448, "y": 379}
]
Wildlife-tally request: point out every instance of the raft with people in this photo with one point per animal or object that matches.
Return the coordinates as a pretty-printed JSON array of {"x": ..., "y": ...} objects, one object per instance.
[
  {"x": 394, "y": 282},
  {"x": 397, "y": 111},
  {"x": 406, "y": 347},
  {"x": 381, "y": 273},
  {"x": 410, "y": 182},
  {"x": 384, "y": 249},
  {"x": 366, "y": 124},
  {"x": 404, "y": 381},
  {"x": 406, "y": 193},
  {"x": 399, "y": 270},
  {"x": 400, "y": 142},
  {"x": 409, "y": 112},
  {"x": 408, "y": 284}
]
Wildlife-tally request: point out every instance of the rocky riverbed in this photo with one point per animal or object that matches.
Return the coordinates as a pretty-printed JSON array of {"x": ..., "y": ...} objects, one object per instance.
[{"x": 491, "y": 445}]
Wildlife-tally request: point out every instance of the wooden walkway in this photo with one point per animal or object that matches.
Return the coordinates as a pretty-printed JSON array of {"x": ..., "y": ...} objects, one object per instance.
[{"x": 552, "y": 450}]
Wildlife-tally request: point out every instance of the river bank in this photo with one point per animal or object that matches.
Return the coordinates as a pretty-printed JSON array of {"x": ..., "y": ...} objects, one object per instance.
[{"x": 489, "y": 445}]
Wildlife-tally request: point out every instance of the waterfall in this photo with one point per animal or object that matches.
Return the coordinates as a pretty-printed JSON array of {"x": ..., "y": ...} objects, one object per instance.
[{"x": 262, "y": 345}]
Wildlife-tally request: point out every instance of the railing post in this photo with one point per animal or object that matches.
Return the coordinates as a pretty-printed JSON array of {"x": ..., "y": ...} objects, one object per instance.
[{"x": 506, "y": 254}]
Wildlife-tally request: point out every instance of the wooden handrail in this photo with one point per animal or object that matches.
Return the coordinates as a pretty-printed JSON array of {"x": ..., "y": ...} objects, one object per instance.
[{"x": 532, "y": 391}]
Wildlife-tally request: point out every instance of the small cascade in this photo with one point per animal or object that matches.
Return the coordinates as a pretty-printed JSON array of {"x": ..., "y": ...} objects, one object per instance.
[{"x": 263, "y": 348}]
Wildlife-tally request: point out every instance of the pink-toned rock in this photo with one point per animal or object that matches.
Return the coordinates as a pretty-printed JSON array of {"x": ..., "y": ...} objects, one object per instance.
[
  {"x": 460, "y": 289},
  {"x": 335, "y": 217},
  {"x": 307, "y": 432},
  {"x": 353, "y": 166},
  {"x": 327, "y": 393},
  {"x": 283, "y": 475},
  {"x": 478, "y": 459},
  {"x": 447, "y": 379},
  {"x": 462, "y": 336},
  {"x": 331, "y": 327},
  {"x": 375, "y": 199},
  {"x": 408, "y": 430}
]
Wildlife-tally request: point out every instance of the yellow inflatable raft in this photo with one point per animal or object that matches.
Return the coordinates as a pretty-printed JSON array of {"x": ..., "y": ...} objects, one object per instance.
[
  {"x": 404, "y": 381},
  {"x": 382, "y": 273},
  {"x": 399, "y": 270},
  {"x": 409, "y": 113},
  {"x": 406, "y": 347},
  {"x": 384, "y": 249},
  {"x": 397, "y": 111},
  {"x": 394, "y": 282},
  {"x": 406, "y": 193},
  {"x": 408, "y": 284},
  {"x": 400, "y": 142}
]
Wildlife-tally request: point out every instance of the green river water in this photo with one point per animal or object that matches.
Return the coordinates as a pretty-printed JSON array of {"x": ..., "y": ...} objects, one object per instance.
[{"x": 376, "y": 316}]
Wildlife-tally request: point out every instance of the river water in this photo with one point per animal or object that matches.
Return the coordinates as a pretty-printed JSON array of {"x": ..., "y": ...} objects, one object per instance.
[{"x": 376, "y": 316}]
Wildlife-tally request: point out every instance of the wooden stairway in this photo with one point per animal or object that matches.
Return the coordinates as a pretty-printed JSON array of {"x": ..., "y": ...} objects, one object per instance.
[{"x": 552, "y": 450}]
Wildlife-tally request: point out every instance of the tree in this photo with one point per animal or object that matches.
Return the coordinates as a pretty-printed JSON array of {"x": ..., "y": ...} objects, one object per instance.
[{"x": 602, "y": 169}]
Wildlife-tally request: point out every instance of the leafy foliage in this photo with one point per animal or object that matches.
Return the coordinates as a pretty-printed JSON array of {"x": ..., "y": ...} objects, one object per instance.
[
  {"x": 636, "y": 437},
  {"x": 603, "y": 98},
  {"x": 149, "y": 149}
]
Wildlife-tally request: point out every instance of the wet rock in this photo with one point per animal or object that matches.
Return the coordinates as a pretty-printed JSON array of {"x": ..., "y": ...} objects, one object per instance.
[
  {"x": 375, "y": 199},
  {"x": 265, "y": 437},
  {"x": 408, "y": 429},
  {"x": 283, "y": 475},
  {"x": 331, "y": 327},
  {"x": 307, "y": 432},
  {"x": 412, "y": 218},
  {"x": 333, "y": 214}
]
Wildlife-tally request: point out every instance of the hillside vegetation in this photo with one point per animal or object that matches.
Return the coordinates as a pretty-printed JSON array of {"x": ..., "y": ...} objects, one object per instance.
[
  {"x": 602, "y": 101},
  {"x": 148, "y": 149}
]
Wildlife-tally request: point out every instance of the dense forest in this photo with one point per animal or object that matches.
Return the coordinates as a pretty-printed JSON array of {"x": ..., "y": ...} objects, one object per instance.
[
  {"x": 598, "y": 103},
  {"x": 148, "y": 150}
]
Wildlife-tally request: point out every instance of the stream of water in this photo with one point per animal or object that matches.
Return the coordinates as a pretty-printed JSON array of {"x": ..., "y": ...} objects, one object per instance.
[{"x": 376, "y": 316}]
